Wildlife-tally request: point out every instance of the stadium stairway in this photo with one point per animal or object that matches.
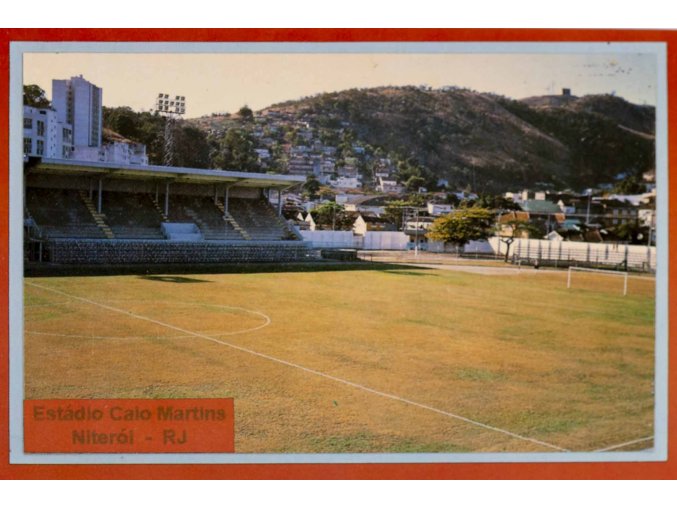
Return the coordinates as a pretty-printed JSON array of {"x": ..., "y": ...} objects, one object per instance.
[
  {"x": 229, "y": 218},
  {"x": 99, "y": 218},
  {"x": 258, "y": 219},
  {"x": 158, "y": 208},
  {"x": 270, "y": 211},
  {"x": 61, "y": 213}
]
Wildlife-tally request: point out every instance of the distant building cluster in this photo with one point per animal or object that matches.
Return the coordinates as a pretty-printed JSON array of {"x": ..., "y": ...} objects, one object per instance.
[
  {"x": 72, "y": 128},
  {"x": 292, "y": 144}
]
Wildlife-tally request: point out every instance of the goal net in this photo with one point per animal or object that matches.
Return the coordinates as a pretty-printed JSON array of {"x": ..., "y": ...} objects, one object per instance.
[{"x": 606, "y": 280}]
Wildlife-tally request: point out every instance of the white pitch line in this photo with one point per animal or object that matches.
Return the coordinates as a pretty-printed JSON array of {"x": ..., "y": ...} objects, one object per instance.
[
  {"x": 308, "y": 370},
  {"x": 624, "y": 444}
]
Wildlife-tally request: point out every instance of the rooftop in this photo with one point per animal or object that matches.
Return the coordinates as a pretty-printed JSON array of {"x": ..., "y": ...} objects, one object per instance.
[{"x": 164, "y": 173}]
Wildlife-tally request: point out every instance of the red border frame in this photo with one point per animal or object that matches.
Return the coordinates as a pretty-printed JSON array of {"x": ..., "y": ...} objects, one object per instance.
[{"x": 654, "y": 470}]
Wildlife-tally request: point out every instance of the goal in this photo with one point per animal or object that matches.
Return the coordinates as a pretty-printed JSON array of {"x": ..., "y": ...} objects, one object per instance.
[{"x": 602, "y": 279}]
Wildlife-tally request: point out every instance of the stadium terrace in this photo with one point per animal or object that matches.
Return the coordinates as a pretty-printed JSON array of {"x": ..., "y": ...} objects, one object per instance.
[{"x": 105, "y": 213}]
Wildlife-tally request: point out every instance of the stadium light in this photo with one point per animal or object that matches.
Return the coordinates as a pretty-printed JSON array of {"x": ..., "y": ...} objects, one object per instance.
[{"x": 171, "y": 107}]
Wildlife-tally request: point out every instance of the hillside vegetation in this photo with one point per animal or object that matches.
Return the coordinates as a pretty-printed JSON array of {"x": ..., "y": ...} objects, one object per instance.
[{"x": 482, "y": 141}]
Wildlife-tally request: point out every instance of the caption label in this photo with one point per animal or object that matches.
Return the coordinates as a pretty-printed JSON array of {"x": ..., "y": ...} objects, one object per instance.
[{"x": 129, "y": 426}]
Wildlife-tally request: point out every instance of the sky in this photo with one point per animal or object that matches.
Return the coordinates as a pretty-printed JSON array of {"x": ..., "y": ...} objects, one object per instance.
[{"x": 224, "y": 82}]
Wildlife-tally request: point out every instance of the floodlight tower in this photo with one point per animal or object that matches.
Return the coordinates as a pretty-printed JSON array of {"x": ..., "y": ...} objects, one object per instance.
[{"x": 171, "y": 108}]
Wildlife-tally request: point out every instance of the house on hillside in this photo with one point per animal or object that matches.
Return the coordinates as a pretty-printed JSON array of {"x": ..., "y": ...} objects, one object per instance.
[
  {"x": 310, "y": 221},
  {"x": 366, "y": 222},
  {"x": 416, "y": 229},
  {"x": 366, "y": 204},
  {"x": 436, "y": 210},
  {"x": 345, "y": 182},
  {"x": 542, "y": 214},
  {"x": 616, "y": 212},
  {"x": 506, "y": 224},
  {"x": 389, "y": 186}
]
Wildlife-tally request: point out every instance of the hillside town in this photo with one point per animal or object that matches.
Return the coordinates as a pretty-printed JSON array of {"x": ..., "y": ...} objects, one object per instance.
[{"x": 350, "y": 185}]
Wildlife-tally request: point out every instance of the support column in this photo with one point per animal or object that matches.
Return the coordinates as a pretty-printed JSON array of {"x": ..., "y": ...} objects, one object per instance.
[
  {"x": 167, "y": 199},
  {"x": 157, "y": 192},
  {"x": 279, "y": 202},
  {"x": 98, "y": 204},
  {"x": 225, "y": 200}
]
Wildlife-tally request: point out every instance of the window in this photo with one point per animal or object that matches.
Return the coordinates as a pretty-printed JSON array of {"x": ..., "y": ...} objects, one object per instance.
[
  {"x": 28, "y": 145},
  {"x": 28, "y": 123},
  {"x": 41, "y": 147},
  {"x": 41, "y": 128}
]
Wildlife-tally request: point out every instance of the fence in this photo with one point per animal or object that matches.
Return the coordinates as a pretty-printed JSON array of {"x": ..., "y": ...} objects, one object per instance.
[{"x": 574, "y": 253}]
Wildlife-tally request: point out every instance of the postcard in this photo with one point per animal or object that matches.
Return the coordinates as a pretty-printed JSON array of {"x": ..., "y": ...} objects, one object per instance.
[{"x": 392, "y": 252}]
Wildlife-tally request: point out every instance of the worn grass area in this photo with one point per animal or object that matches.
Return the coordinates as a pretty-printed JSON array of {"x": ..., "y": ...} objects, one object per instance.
[{"x": 570, "y": 368}]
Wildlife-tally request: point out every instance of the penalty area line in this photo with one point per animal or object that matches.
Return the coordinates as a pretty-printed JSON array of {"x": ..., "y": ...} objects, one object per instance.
[{"x": 309, "y": 370}]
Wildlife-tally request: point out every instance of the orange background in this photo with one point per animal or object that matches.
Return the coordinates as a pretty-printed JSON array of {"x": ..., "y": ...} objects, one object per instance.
[{"x": 658, "y": 470}]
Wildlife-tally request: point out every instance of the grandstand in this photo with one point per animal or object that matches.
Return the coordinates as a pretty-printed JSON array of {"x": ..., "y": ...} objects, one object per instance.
[{"x": 99, "y": 213}]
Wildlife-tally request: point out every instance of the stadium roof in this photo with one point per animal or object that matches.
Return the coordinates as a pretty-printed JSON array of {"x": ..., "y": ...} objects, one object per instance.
[{"x": 164, "y": 173}]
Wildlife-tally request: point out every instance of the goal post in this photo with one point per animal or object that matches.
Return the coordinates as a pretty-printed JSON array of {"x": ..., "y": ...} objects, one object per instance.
[{"x": 623, "y": 274}]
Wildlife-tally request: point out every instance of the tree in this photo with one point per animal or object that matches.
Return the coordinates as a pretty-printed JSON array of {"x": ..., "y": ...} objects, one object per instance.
[
  {"x": 414, "y": 183},
  {"x": 394, "y": 212},
  {"x": 631, "y": 232},
  {"x": 190, "y": 147},
  {"x": 236, "y": 151},
  {"x": 246, "y": 113},
  {"x": 34, "y": 96},
  {"x": 463, "y": 226},
  {"x": 311, "y": 187},
  {"x": 332, "y": 216},
  {"x": 630, "y": 185},
  {"x": 327, "y": 193},
  {"x": 495, "y": 202},
  {"x": 517, "y": 228},
  {"x": 145, "y": 128}
]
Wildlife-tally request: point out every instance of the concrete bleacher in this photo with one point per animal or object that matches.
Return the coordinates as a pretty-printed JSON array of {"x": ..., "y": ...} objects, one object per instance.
[
  {"x": 61, "y": 213},
  {"x": 258, "y": 219},
  {"x": 70, "y": 213},
  {"x": 132, "y": 216},
  {"x": 91, "y": 252},
  {"x": 203, "y": 212}
]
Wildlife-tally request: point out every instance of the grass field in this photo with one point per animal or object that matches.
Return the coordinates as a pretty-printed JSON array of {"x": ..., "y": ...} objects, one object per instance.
[{"x": 383, "y": 360}]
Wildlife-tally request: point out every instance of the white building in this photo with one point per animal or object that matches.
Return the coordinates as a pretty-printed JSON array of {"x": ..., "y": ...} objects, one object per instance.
[
  {"x": 117, "y": 152},
  {"x": 345, "y": 182},
  {"x": 262, "y": 153},
  {"x": 44, "y": 135},
  {"x": 439, "y": 209},
  {"x": 79, "y": 103},
  {"x": 389, "y": 186}
]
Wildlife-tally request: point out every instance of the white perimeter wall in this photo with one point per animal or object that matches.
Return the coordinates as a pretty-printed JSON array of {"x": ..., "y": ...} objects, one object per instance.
[{"x": 637, "y": 256}]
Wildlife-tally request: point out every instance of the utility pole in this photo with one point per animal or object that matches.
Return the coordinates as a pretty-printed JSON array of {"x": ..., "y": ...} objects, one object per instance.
[{"x": 416, "y": 240}]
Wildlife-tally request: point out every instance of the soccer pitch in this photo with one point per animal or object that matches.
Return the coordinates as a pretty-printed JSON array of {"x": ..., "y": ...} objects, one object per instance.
[{"x": 387, "y": 360}]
